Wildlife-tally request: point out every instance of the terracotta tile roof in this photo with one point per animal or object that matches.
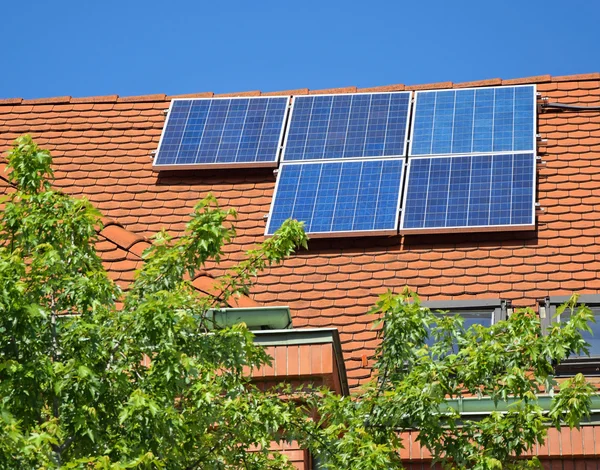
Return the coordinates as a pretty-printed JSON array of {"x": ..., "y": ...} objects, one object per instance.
[{"x": 102, "y": 148}]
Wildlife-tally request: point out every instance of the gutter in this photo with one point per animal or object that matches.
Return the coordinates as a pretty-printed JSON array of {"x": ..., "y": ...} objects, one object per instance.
[
  {"x": 255, "y": 318},
  {"x": 474, "y": 406}
]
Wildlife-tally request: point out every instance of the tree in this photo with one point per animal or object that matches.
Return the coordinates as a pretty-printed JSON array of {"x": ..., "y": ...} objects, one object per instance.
[
  {"x": 92, "y": 377},
  {"x": 414, "y": 384},
  {"x": 76, "y": 390}
]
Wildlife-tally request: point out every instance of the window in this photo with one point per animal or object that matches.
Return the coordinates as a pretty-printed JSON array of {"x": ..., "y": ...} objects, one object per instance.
[
  {"x": 588, "y": 365},
  {"x": 484, "y": 312}
]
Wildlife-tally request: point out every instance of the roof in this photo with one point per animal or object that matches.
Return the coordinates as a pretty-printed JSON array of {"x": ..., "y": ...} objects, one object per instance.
[{"x": 102, "y": 150}]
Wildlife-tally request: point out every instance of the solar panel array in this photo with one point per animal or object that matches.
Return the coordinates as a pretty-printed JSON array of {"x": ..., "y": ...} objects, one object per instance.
[
  {"x": 339, "y": 196},
  {"x": 223, "y": 132},
  {"x": 471, "y": 158},
  {"x": 469, "y": 191},
  {"x": 332, "y": 176},
  {"x": 491, "y": 184},
  {"x": 347, "y": 126},
  {"x": 499, "y": 119}
]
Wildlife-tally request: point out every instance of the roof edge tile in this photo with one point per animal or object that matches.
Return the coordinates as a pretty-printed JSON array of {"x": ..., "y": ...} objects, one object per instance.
[
  {"x": 120, "y": 236},
  {"x": 382, "y": 89},
  {"x": 299, "y": 91},
  {"x": 580, "y": 77},
  {"x": 51, "y": 100},
  {"x": 478, "y": 83},
  {"x": 5, "y": 101},
  {"x": 96, "y": 99},
  {"x": 239, "y": 93},
  {"x": 302, "y": 91},
  {"x": 205, "y": 283},
  {"x": 142, "y": 98},
  {"x": 327, "y": 91},
  {"x": 526, "y": 80},
  {"x": 205, "y": 94},
  {"x": 139, "y": 247},
  {"x": 430, "y": 86}
]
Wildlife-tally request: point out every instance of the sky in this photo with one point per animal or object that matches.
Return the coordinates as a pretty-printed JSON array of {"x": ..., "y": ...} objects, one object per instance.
[{"x": 135, "y": 47}]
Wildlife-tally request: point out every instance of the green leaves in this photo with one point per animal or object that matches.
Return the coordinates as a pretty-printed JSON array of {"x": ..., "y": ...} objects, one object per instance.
[
  {"x": 509, "y": 366},
  {"x": 573, "y": 403},
  {"x": 84, "y": 384},
  {"x": 29, "y": 166}
]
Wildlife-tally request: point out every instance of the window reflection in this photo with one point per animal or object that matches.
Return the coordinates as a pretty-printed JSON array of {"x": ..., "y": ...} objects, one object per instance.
[
  {"x": 593, "y": 337},
  {"x": 470, "y": 318}
]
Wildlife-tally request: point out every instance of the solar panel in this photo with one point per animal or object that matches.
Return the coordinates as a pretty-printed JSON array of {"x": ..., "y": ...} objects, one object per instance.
[
  {"x": 481, "y": 120},
  {"x": 479, "y": 191},
  {"x": 347, "y": 126},
  {"x": 340, "y": 197},
  {"x": 222, "y": 132}
]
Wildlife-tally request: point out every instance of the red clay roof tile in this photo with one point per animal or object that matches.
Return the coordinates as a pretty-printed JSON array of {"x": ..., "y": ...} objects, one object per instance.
[
  {"x": 206, "y": 94},
  {"x": 96, "y": 99},
  {"x": 299, "y": 91},
  {"x": 240, "y": 93},
  {"x": 56, "y": 99},
  {"x": 577, "y": 78},
  {"x": 479, "y": 83},
  {"x": 141, "y": 98},
  {"x": 328, "y": 91},
  {"x": 527, "y": 80},
  {"x": 9, "y": 101},
  {"x": 382, "y": 89},
  {"x": 430, "y": 86}
]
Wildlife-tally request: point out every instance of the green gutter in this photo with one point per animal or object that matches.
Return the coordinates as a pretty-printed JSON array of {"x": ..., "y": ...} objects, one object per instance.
[
  {"x": 255, "y": 318},
  {"x": 485, "y": 405}
]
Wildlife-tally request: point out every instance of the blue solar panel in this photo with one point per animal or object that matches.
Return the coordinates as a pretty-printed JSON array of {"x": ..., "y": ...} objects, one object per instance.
[
  {"x": 339, "y": 197},
  {"x": 496, "y": 119},
  {"x": 347, "y": 126},
  {"x": 222, "y": 132},
  {"x": 469, "y": 191}
]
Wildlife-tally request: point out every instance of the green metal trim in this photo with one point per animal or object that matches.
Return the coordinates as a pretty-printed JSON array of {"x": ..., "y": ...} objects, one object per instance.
[
  {"x": 256, "y": 318},
  {"x": 462, "y": 304},
  {"x": 294, "y": 337},
  {"x": 485, "y": 405}
]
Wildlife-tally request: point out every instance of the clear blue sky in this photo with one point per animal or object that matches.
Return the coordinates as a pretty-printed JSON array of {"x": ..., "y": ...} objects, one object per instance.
[{"x": 133, "y": 47}]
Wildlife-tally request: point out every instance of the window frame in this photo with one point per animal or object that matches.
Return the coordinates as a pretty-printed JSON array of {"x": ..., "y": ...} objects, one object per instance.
[
  {"x": 587, "y": 365},
  {"x": 498, "y": 307}
]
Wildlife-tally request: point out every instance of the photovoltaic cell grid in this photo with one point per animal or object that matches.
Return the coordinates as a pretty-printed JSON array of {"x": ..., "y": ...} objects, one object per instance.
[
  {"x": 217, "y": 131},
  {"x": 340, "y": 196},
  {"x": 347, "y": 126},
  {"x": 496, "y": 119},
  {"x": 469, "y": 191}
]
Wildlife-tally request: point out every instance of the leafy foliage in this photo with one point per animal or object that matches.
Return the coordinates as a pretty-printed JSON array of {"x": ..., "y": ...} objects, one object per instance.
[
  {"x": 84, "y": 384},
  {"x": 414, "y": 385}
]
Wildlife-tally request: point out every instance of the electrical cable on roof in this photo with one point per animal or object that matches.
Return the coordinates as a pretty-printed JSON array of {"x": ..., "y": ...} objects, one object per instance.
[{"x": 569, "y": 107}]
